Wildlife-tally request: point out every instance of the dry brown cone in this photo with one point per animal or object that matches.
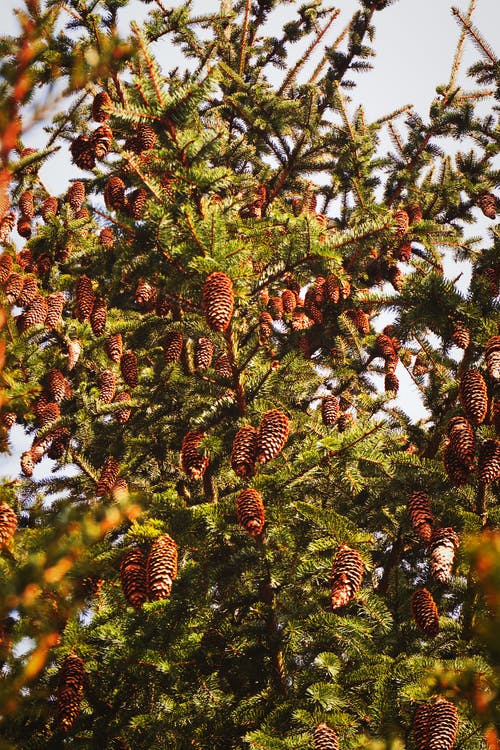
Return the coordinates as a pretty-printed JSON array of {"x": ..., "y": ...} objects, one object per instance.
[
  {"x": 403, "y": 252},
  {"x": 275, "y": 307},
  {"x": 133, "y": 577},
  {"x": 114, "y": 347},
  {"x": 29, "y": 291},
  {"x": 332, "y": 288},
  {"x": 324, "y": 738},
  {"x": 222, "y": 366},
  {"x": 385, "y": 346},
  {"x": 161, "y": 567},
  {"x": 421, "y": 364},
  {"x": 194, "y": 464},
  {"x": 43, "y": 264},
  {"x": 460, "y": 335},
  {"x": 8, "y": 523},
  {"x": 172, "y": 347},
  {"x": 345, "y": 421},
  {"x": 145, "y": 294},
  {"x": 265, "y": 327},
  {"x": 119, "y": 490},
  {"x": 50, "y": 207},
  {"x": 273, "y": 434},
  {"x": 492, "y": 357},
  {"x": 39, "y": 406},
  {"x": 24, "y": 228},
  {"x": 7, "y": 224},
  {"x": 137, "y": 203},
  {"x": 107, "y": 386},
  {"x": 74, "y": 351},
  {"x": 474, "y": 396},
  {"x": 90, "y": 587},
  {"x": 312, "y": 309},
  {"x": 129, "y": 368},
  {"x": 396, "y": 277},
  {"x": 421, "y": 516},
  {"x": 163, "y": 306},
  {"x": 58, "y": 387},
  {"x": 107, "y": 238},
  {"x": 27, "y": 463},
  {"x": 329, "y": 409},
  {"x": 145, "y": 137},
  {"x": 347, "y": 573},
  {"x": 108, "y": 476},
  {"x": 250, "y": 511},
  {"x": 244, "y": 452},
  {"x": 6, "y": 262},
  {"x": 443, "y": 725},
  {"x": 414, "y": 212},
  {"x": 84, "y": 298},
  {"x": 35, "y": 313},
  {"x": 442, "y": 548},
  {"x": 487, "y": 202},
  {"x": 102, "y": 101},
  {"x": 24, "y": 258},
  {"x": 55, "y": 305},
  {"x": 457, "y": 471},
  {"x": 402, "y": 222},
  {"x": 203, "y": 354},
  {"x": 360, "y": 320},
  {"x": 122, "y": 415},
  {"x": 218, "y": 301},
  {"x": 101, "y": 140},
  {"x": 489, "y": 462},
  {"x": 98, "y": 316},
  {"x": 48, "y": 414},
  {"x": 69, "y": 691},
  {"x": 391, "y": 382},
  {"x": 301, "y": 321},
  {"x": 8, "y": 419},
  {"x": 288, "y": 300},
  {"x": 26, "y": 205},
  {"x": 425, "y": 612},
  {"x": 13, "y": 287},
  {"x": 82, "y": 152},
  {"x": 114, "y": 194},
  {"x": 76, "y": 195},
  {"x": 59, "y": 444},
  {"x": 63, "y": 252},
  {"x": 461, "y": 434},
  {"x": 421, "y": 726}
]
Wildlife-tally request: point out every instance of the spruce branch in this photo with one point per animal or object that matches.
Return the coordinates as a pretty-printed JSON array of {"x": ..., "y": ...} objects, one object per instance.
[
  {"x": 459, "y": 52},
  {"x": 480, "y": 43}
]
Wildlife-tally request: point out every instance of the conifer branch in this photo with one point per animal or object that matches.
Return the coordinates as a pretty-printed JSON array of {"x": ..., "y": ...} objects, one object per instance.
[
  {"x": 474, "y": 33},
  {"x": 149, "y": 64},
  {"x": 244, "y": 34},
  {"x": 458, "y": 55}
]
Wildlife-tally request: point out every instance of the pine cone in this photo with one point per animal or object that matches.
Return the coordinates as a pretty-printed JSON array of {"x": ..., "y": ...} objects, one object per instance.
[
  {"x": 329, "y": 410},
  {"x": 347, "y": 573},
  {"x": 107, "y": 238},
  {"x": 420, "y": 513},
  {"x": 474, "y": 396},
  {"x": 24, "y": 228},
  {"x": 107, "y": 386},
  {"x": 487, "y": 202},
  {"x": 27, "y": 464},
  {"x": 396, "y": 277},
  {"x": 385, "y": 346},
  {"x": 442, "y": 548},
  {"x": 265, "y": 327},
  {"x": 492, "y": 357},
  {"x": 101, "y": 140},
  {"x": 250, "y": 511},
  {"x": 8, "y": 523},
  {"x": 119, "y": 490},
  {"x": 222, "y": 366},
  {"x": 114, "y": 347},
  {"x": 69, "y": 691},
  {"x": 443, "y": 725},
  {"x": 84, "y": 298},
  {"x": 218, "y": 301},
  {"x": 425, "y": 612},
  {"x": 489, "y": 462},
  {"x": 414, "y": 213},
  {"x": 133, "y": 577},
  {"x": 273, "y": 434},
  {"x": 421, "y": 364},
  {"x": 137, "y": 203},
  {"x": 129, "y": 368},
  {"x": 421, "y": 726},
  {"x": 172, "y": 347},
  {"x": 360, "y": 320},
  {"x": 161, "y": 567},
  {"x": 29, "y": 292},
  {"x": 74, "y": 351},
  {"x": 114, "y": 194},
  {"x": 6, "y": 262},
  {"x": 460, "y": 335},
  {"x": 462, "y": 437},
  {"x": 332, "y": 288},
  {"x": 194, "y": 463},
  {"x": 288, "y": 300},
  {"x": 50, "y": 207},
  {"x": 203, "y": 353},
  {"x": 82, "y": 152},
  {"x": 98, "y": 316},
  {"x": 76, "y": 195},
  {"x": 391, "y": 382},
  {"x": 108, "y": 476},
  {"x": 122, "y": 415},
  {"x": 324, "y": 738},
  {"x": 26, "y": 205},
  {"x": 403, "y": 252},
  {"x": 455, "y": 468},
  {"x": 13, "y": 287},
  {"x": 58, "y": 387},
  {"x": 102, "y": 101},
  {"x": 24, "y": 258},
  {"x": 345, "y": 421},
  {"x": 243, "y": 454},
  {"x": 300, "y": 321},
  {"x": 48, "y": 414},
  {"x": 145, "y": 294},
  {"x": 35, "y": 314},
  {"x": 276, "y": 307},
  {"x": 59, "y": 444},
  {"x": 163, "y": 306},
  {"x": 43, "y": 264},
  {"x": 8, "y": 419},
  {"x": 402, "y": 222},
  {"x": 7, "y": 224},
  {"x": 145, "y": 137}
]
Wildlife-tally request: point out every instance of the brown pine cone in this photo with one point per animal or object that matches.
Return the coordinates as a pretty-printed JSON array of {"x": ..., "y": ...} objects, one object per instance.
[
  {"x": 145, "y": 137},
  {"x": 27, "y": 464},
  {"x": 48, "y": 413},
  {"x": 114, "y": 194},
  {"x": 492, "y": 357},
  {"x": 114, "y": 347},
  {"x": 402, "y": 222},
  {"x": 172, "y": 347},
  {"x": 425, "y": 612},
  {"x": 218, "y": 301},
  {"x": 391, "y": 382},
  {"x": 50, "y": 207},
  {"x": 288, "y": 300},
  {"x": 347, "y": 573},
  {"x": 163, "y": 306},
  {"x": 24, "y": 258},
  {"x": 403, "y": 252},
  {"x": 384, "y": 346},
  {"x": 273, "y": 434},
  {"x": 137, "y": 203},
  {"x": 345, "y": 421},
  {"x": 13, "y": 287},
  {"x": 8, "y": 523},
  {"x": 55, "y": 305},
  {"x": 301, "y": 321},
  {"x": 455, "y": 468},
  {"x": 24, "y": 228},
  {"x": 74, "y": 351},
  {"x": 119, "y": 490},
  {"x": 222, "y": 366},
  {"x": 414, "y": 212},
  {"x": 129, "y": 368},
  {"x": 442, "y": 548},
  {"x": 98, "y": 316},
  {"x": 250, "y": 511},
  {"x": 265, "y": 327},
  {"x": 102, "y": 102},
  {"x": 161, "y": 567},
  {"x": 360, "y": 320},
  {"x": 194, "y": 463},
  {"x": 396, "y": 277},
  {"x": 58, "y": 387},
  {"x": 421, "y": 726},
  {"x": 275, "y": 307},
  {"x": 487, "y": 202},
  {"x": 26, "y": 205},
  {"x": 145, "y": 294},
  {"x": 243, "y": 454},
  {"x": 107, "y": 386},
  {"x": 6, "y": 262},
  {"x": 122, "y": 415},
  {"x": 101, "y": 140},
  {"x": 460, "y": 335},
  {"x": 421, "y": 516},
  {"x": 332, "y": 288},
  {"x": 329, "y": 410},
  {"x": 35, "y": 314},
  {"x": 29, "y": 291},
  {"x": 443, "y": 725},
  {"x": 108, "y": 476},
  {"x": 69, "y": 691},
  {"x": 76, "y": 194},
  {"x": 324, "y": 738},
  {"x": 7, "y": 224},
  {"x": 474, "y": 396},
  {"x": 203, "y": 353},
  {"x": 8, "y": 419},
  {"x": 133, "y": 577},
  {"x": 82, "y": 152},
  {"x": 59, "y": 444},
  {"x": 421, "y": 364},
  {"x": 488, "y": 468},
  {"x": 461, "y": 434},
  {"x": 43, "y": 264},
  {"x": 84, "y": 298},
  {"x": 107, "y": 238}
]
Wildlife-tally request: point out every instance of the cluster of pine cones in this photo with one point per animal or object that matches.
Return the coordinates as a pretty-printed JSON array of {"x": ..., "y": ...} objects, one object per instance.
[
  {"x": 252, "y": 446},
  {"x": 142, "y": 578}
]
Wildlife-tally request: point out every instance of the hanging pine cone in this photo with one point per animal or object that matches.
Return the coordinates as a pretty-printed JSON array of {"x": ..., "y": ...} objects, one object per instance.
[
  {"x": 145, "y": 137},
  {"x": 60, "y": 443},
  {"x": 8, "y": 419},
  {"x": 55, "y": 306},
  {"x": 329, "y": 410},
  {"x": 265, "y": 327},
  {"x": 7, "y": 224},
  {"x": 273, "y": 434},
  {"x": 106, "y": 238},
  {"x": 489, "y": 462},
  {"x": 421, "y": 364},
  {"x": 462, "y": 436},
  {"x": 8, "y": 523},
  {"x": 35, "y": 313},
  {"x": 218, "y": 301},
  {"x": 161, "y": 567},
  {"x": 145, "y": 294},
  {"x": 425, "y": 612},
  {"x": 301, "y": 321},
  {"x": 194, "y": 463},
  {"x": 163, "y": 306},
  {"x": 27, "y": 464},
  {"x": 222, "y": 366},
  {"x": 243, "y": 454},
  {"x": 133, "y": 577},
  {"x": 84, "y": 298},
  {"x": 98, "y": 316},
  {"x": 13, "y": 287},
  {"x": 119, "y": 490},
  {"x": 324, "y": 738},
  {"x": 107, "y": 386},
  {"x": 6, "y": 262},
  {"x": 460, "y": 335},
  {"x": 69, "y": 691},
  {"x": 58, "y": 387},
  {"x": 360, "y": 320},
  {"x": 288, "y": 300},
  {"x": 414, "y": 213},
  {"x": 276, "y": 307},
  {"x": 76, "y": 195},
  {"x": 24, "y": 228},
  {"x": 50, "y": 207},
  {"x": 74, "y": 351},
  {"x": 347, "y": 573},
  {"x": 101, "y": 140},
  {"x": 114, "y": 194},
  {"x": 102, "y": 102},
  {"x": 403, "y": 252},
  {"x": 129, "y": 368},
  {"x": 24, "y": 258},
  {"x": 345, "y": 421},
  {"x": 332, "y": 288},
  {"x": 474, "y": 396},
  {"x": 250, "y": 511},
  {"x": 203, "y": 353},
  {"x": 443, "y": 725},
  {"x": 402, "y": 222},
  {"x": 26, "y": 205},
  {"x": 48, "y": 413},
  {"x": 421, "y": 726},
  {"x": 442, "y": 548},
  {"x": 396, "y": 277},
  {"x": 137, "y": 203},
  {"x": 455, "y": 468},
  {"x": 172, "y": 347},
  {"x": 29, "y": 291},
  {"x": 82, "y": 152},
  {"x": 391, "y": 382},
  {"x": 114, "y": 347},
  {"x": 421, "y": 516},
  {"x": 122, "y": 415},
  {"x": 492, "y": 357},
  {"x": 43, "y": 264},
  {"x": 384, "y": 346},
  {"x": 108, "y": 476},
  {"x": 487, "y": 202}
]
